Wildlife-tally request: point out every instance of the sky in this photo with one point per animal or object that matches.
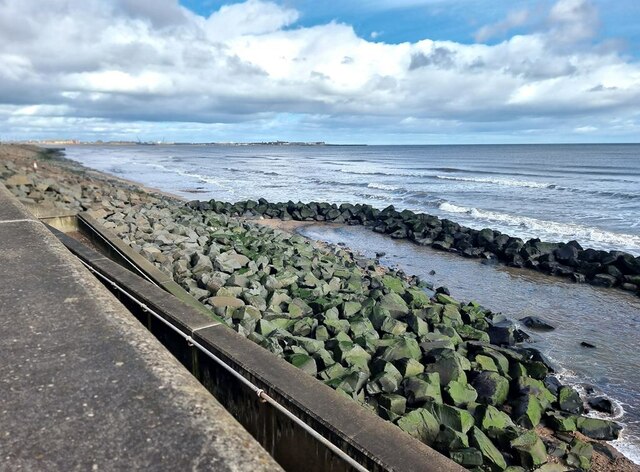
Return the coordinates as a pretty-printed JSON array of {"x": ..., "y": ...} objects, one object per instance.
[{"x": 348, "y": 71}]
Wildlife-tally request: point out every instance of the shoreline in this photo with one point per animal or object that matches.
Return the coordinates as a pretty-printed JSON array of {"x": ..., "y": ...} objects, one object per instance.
[{"x": 282, "y": 225}]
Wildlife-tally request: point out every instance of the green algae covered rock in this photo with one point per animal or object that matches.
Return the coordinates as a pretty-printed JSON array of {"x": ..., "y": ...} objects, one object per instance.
[
  {"x": 448, "y": 363},
  {"x": 579, "y": 455},
  {"x": 530, "y": 448},
  {"x": 493, "y": 421},
  {"x": 420, "y": 424},
  {"x": 422, "y": 388},
  {"x": 417, "y": 298},
  {"x": 467, "y": 332},
  {"x": 562, "y": 422},
  {"x": 409, "y": 367},
  {"x": 394, "y": 284},
  {"x": 527, "y": 411},
  {"x": 394, "y": 304},
  {"x": 403, "y": 348},
  {"x": 305, "y": 363},
  {"x": 467, "y": 457},
  {"x": 460, "y": 393},
  {"x": 526, "y": 385},
  {"x": 569, "y": 400},
  {"x": 455, "y": 418},
  {"x": 450, "y": 439},
  {"x": 492, "y": 388},
  {"x": 489, "y": 451},
  {"x": 595, "y": 428}
]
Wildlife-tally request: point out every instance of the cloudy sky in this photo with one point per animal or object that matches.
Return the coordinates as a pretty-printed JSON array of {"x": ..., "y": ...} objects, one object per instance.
[{"x": 348, "y": 71}]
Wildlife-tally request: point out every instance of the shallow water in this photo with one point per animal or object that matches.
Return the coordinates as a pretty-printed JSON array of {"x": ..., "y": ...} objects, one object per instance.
[{"x": 610, "y": 319}]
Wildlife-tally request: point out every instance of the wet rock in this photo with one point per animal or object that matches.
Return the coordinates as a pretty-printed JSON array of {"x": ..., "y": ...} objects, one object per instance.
[
  {"x": 502, "y": 333},
  {"x": 604, "y": 280},
  {"x": 569, "y": 400},
  {"x": 602, "y": 404},
  {"x": 536, "y": 323},
  {"x": 595, "y": 428}
]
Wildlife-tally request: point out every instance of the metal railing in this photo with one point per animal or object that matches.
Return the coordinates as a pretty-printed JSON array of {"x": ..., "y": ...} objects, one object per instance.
[{"x": 260, "y": 393}]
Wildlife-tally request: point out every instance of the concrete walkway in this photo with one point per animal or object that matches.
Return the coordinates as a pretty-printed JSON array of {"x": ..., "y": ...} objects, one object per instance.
[{"x": 83, "y": 386}]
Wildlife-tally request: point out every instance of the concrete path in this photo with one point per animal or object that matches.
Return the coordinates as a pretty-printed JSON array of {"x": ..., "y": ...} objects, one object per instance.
[{"x": 83, "y": 386}]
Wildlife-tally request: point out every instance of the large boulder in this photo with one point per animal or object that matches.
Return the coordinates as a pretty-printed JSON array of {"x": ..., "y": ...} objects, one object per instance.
[
  {"x": 492, "y": 388},
  {"x": 569, "y": 400},
  {"x": 489, "y": 451},
  {"x": 450, "y": 416},
  {"x": 460, "y": 394},
  {"x": 448, "y": 363},
  {"x": 420, "y": 424},
  {"x": 527, "y": 411},
  {"x": 394, "y": 303},
  {"x": 402, "y": 348},
  {"x": 595, "y": 428},
  {"x": 536, "y": 323},
  {"x": 422, "y": 388},
  {"x": 531, "y": 449},
  {"x": 230, "y": 261}
]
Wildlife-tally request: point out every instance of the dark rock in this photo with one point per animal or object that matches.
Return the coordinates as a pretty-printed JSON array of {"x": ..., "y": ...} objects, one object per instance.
[
  {"x": 567, "y": 254},
  {"x": 491, "y": 387},
  {"x": 587, "y": 345},
  {"x": 502, "y": 333},
  {"x": 536, "y": 323},
  {"x": 604, "y": 280},
  {"x": 552, "y": 383},
  {"x": 569, "y": 400},
  {"x": 595, "y": 428},
  {"x": 602, "y": 404},
  {"x": 443, "y": 290}
]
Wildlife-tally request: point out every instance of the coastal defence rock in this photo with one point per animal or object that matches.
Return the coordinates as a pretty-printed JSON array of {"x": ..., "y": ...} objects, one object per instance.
[
  {"x": 602, "y": 268},
  {"x": 418, "y": 358}
]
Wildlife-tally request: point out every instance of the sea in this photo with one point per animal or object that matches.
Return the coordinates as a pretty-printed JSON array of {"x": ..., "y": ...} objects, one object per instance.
[{"x": 588, "y": 193}]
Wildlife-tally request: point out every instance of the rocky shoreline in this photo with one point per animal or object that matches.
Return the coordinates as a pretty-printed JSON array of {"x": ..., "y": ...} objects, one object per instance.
[
  {"x": 455, "y": 375},
  {"x": 602, "y": 268}
]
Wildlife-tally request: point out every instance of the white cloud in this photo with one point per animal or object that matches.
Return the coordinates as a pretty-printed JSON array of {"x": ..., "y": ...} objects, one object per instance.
[{"x": 249, "y": 67}]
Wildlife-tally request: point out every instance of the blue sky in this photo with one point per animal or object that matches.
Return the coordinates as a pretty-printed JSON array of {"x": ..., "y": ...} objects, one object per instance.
[
  {"x": 377, "y": 71},
  {"x": 453, "y": 20}
]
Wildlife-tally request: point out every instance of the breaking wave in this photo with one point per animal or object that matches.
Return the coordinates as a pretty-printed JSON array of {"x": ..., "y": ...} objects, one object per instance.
[{"x": 548, "y": 230}]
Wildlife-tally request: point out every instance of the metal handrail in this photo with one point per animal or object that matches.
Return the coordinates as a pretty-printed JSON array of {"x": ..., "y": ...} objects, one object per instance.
[{"x": 260, "y": 393}]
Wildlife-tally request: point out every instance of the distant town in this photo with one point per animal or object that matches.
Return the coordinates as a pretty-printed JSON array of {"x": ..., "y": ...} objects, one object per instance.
[{"x": 76, "y": 142}]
